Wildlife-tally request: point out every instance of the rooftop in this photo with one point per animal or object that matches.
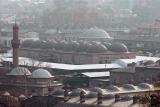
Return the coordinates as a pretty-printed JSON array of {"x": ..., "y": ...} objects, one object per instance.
[
  {"x": 30, "y": 62},
  {"x": 120, "y": 63},
  {"x": 97, "y": 74}
]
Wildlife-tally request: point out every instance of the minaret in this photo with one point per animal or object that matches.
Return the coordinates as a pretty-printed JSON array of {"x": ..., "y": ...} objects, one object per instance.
[{"x": 15, "y": 45}]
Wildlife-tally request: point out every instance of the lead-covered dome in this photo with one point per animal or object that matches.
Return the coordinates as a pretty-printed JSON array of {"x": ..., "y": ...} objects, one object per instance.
[
  {"x": 98, "y": 90},
  {"x": 129, "y": 87},
  {"x": 144, "y": 86},
  {"x": 97, "y": 47},
  {"x": 96, "y": 33},
  {"x": 112, "y": 88},
  {"x": 118, "y": 47},
  {"x": 41, "y": 73},
  {"x": 19, "y": 71},
  {"x": 83, "y": 46}
]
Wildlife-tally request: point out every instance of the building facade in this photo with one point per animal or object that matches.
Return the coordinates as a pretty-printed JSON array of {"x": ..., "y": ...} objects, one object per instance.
[{"x": 21, "y": 81}]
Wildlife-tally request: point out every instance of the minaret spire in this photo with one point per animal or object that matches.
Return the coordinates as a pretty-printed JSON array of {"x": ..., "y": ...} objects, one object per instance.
[{"x": 15, "y": 45}]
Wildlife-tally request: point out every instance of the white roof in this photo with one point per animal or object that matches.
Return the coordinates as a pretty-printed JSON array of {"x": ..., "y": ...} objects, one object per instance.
[
  {"x": 120, "y": 63},
  {"x": 97, "y": 74},
  {"x": 41, "y": 73},
  {"x": 31, "y": 62},
  {"x": 19, "y": 71},
  {"x": 137, "y": 60},
  {"x": 96, "y": 66}
]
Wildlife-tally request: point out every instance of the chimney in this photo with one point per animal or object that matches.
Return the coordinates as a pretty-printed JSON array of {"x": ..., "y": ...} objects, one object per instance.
[{"x": 15, "y": 45}]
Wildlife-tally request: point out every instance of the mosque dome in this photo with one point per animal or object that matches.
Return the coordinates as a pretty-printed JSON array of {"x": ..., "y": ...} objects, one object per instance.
[
  {"x": 84, "y": 46},
  {"x": 129, "y": 87},
  {"x": 63, "y": 45},
  {"x": 72, "y": 46},
  {"x": 113, "y": 88},
  {"x": 77, "y": 91},
  {"x": 98, "y": 90},
  {"x": 91, "y": 95},
  {"x": 98, "y": 47},
  {"x": 118, "y": 47},
  {"x": 6, "y": 94},
  {"x": 41, "y": 73},
  {"x": 19, "y": 71},
  {"x": 95, "y": 33},
  {"x": 75, "y": 45},
  {"x": 22, "y": 96},
  {"x": 107, "y": 44},
  {"x": 144, "y": 86}
]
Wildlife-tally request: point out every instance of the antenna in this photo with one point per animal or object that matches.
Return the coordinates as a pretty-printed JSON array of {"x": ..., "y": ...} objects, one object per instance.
[{"x": 15, "y": 21}]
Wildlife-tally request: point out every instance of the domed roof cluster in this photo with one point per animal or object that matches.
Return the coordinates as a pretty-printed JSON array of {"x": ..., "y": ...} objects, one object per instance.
[
  {"x": 91, "y": 47},
  {"x": 39, "y": 73},
  {"x": 107, "y": 92},
  {"x": 78, "y": 46}
]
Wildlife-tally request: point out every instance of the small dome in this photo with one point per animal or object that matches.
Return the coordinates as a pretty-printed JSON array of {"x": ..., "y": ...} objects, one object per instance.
[
  {"x": 20, "y": 71},
  {"x": 98, "y": 90},
  {"x": 22, "y": 96},
  {"x": 75, "y": 45},
  {"x": 6, "y": 94},
  {"x": 91, "y": 95},
  {"x": 107, "y": 44},
  {"x": 72, "y": 46},
  {"x": 118, "y": 47},
  {"x": 129, "y": 87},
  {"x": 83, "y": 46},
  {"x": 62, "y": 45},
  {"x": 113, "y": 88},
  {"x": 148, "y": 62},
  {"x": 41, "y": 73},
  {"x": 98, "y": 48},
  {"x": 144, "y": 86},
  {"x": 96, "y": 33}
]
